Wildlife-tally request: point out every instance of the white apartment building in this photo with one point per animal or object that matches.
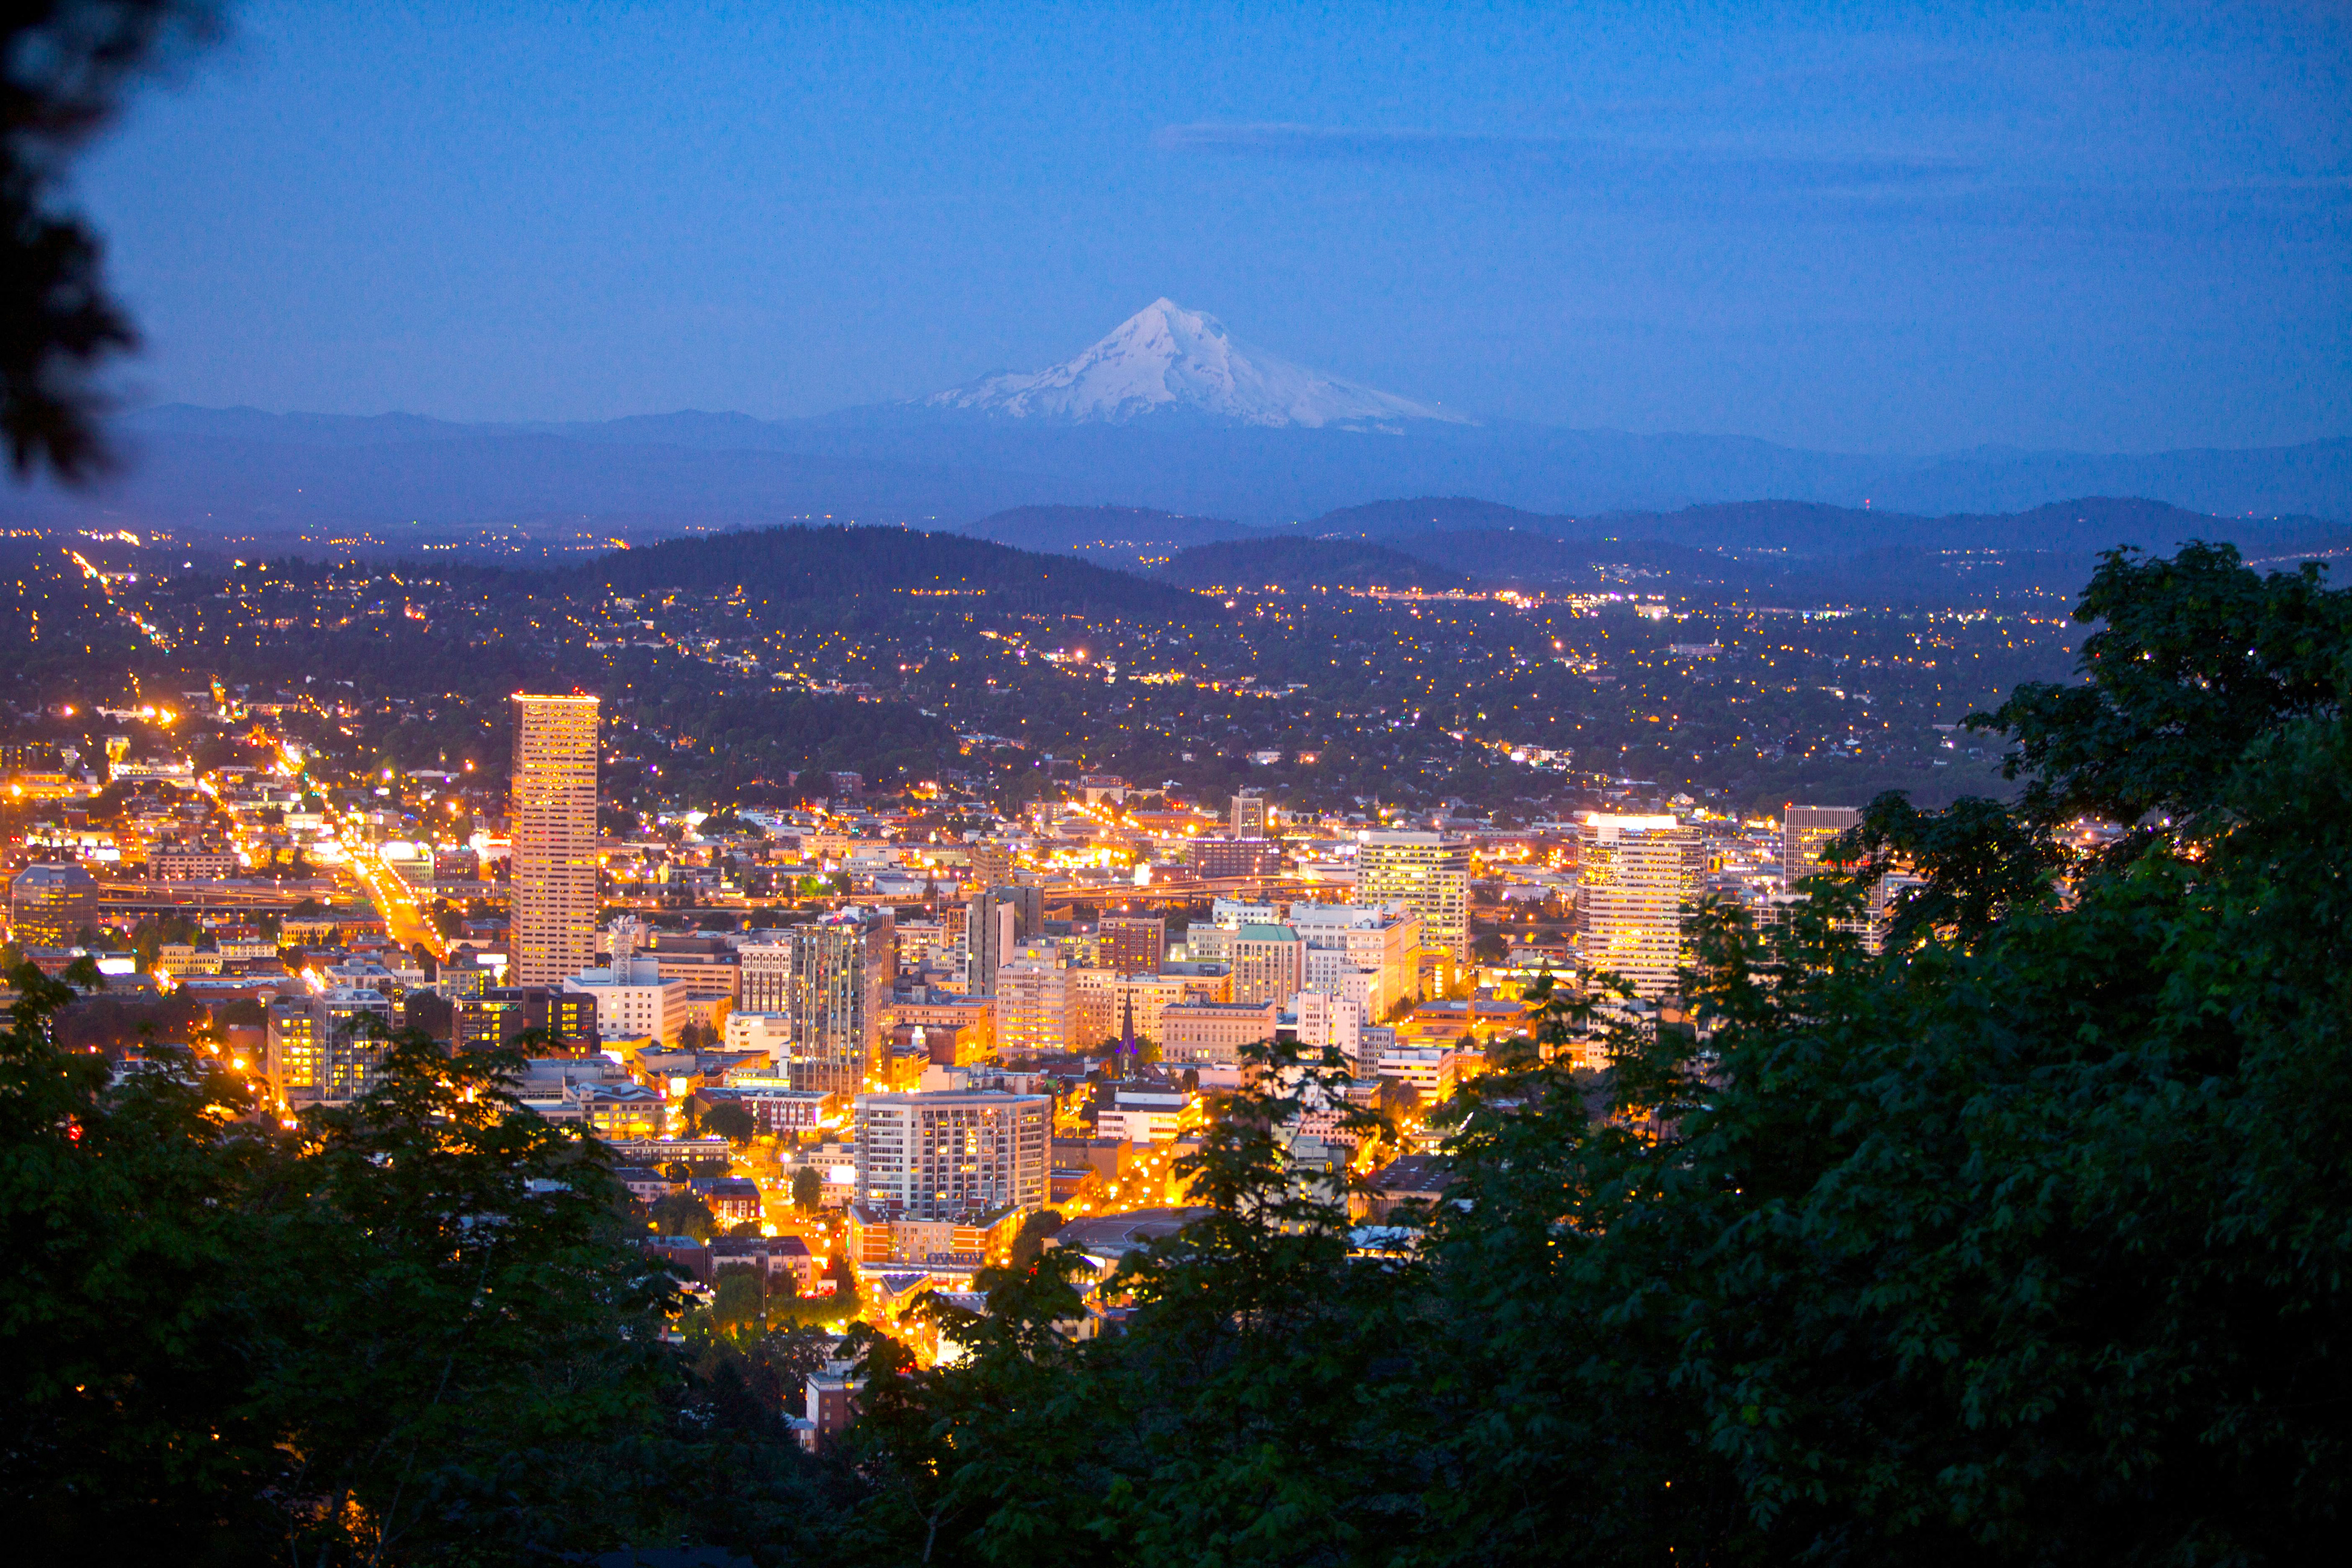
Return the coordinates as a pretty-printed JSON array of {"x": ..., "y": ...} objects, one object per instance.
[
  {"x": 1331, "y": 974},
  {"x": 1141, "y": 1115},
  {"x": 1335, "y": 1023},
  {"x": 1033, "y": 1011},
  {"x": 1101, "y": 1000},
  {"x": 768, "y": 1032},
  {"x": 947, "y": 1155},
  {"x": 1432, "y": 1070},
  {"x": 1371, "y": 953},
  {"x": 1213, "y": 942},
  {"x": 1093, "y": 1013},
  {"x": 1149, "y": 995},
  {"x": 633, "y": 1000},
  {"x": 1329, "y": 1021}
]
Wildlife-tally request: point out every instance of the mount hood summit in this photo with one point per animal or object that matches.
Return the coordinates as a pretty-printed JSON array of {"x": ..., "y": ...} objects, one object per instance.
[{"x": 1165, "y": 359}]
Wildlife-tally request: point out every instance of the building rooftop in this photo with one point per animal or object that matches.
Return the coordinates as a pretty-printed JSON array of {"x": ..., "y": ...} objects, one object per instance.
[
  {"x": 1124, "y": 1232},
  {"x": 48, "y": 874},
  {"x": 1411, "y": 1174}
]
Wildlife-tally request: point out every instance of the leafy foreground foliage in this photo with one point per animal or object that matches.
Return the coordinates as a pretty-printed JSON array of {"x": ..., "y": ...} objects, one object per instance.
[
  {"x": 2026, "y": 1242},
  {"x": 415, "y": 1331}
]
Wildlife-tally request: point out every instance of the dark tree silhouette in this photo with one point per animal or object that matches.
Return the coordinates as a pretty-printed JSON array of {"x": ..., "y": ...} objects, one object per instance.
[{"x": 65, "y": 67}]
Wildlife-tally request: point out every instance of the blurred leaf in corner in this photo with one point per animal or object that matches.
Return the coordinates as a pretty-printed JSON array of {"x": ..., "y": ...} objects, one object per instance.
[{"x": 66, "y": 66}]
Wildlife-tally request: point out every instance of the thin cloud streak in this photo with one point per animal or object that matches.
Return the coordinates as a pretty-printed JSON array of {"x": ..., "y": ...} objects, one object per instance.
[
  {"x": 1618, "y": 171},
  {"x": 1594, "y": 158}
]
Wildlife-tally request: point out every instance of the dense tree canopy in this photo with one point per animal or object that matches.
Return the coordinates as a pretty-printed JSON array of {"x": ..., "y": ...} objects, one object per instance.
[
  {"x": 2026, "y": 1241},
  {"x": 415, "y": 1330}
]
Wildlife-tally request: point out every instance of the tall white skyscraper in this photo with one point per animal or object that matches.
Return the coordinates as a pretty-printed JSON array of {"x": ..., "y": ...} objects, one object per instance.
[
  {"x": 552, "y": 804},
  {"x": 1634, "y": 875}
]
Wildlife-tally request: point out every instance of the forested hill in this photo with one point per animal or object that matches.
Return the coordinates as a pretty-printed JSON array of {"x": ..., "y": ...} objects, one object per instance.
[
  {"x": 1436, "y": 514},
  {"x": 1305, "y": 564},
  {"x": 1059, "y": 528},
  {"x": 809, "y": 567}
]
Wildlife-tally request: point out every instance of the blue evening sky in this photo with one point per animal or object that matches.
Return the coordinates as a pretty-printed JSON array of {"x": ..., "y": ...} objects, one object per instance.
[{"x": 1883, "y": 228}]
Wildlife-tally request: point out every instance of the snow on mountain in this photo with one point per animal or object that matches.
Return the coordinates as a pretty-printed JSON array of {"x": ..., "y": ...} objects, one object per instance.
[{"x": 1165, "y": 357}]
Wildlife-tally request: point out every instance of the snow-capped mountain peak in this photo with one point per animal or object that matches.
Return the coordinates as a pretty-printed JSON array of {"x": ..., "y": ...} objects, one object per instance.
[{"x": 1166, "y": 358}]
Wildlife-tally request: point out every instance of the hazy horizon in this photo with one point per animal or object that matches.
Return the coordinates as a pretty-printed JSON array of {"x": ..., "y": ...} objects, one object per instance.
[{"x": 132, "y": 410}]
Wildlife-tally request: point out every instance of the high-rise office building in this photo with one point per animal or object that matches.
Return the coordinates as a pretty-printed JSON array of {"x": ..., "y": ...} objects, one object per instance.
[
  {"x": 1269, "y": 965},
  {"x": 992, "y": 866},
  {"x": 291, "y": 1046},
  {"x": 1429, "y": 876},
  {"x": 552, "y": 795},
  {"x": 947, "y": 1155},
  {"x": 837, "y": 994},
  {"x": 353, "y": 1024},
  {"x": 1805, "y": 830},
  {"x": 990, "y": 931},
  {"x": 997, "y": 922},
  {"x": 1132, "y": 944},
  {"x": 51, "y": 903},
  {"x": 1223, "y": 859},
  {"x": 487, "y": 1016},
  {"x": 1634, "y": 875},
  {"x": 1247, "y": 816},
  {"x": 1805, "y": 833}
]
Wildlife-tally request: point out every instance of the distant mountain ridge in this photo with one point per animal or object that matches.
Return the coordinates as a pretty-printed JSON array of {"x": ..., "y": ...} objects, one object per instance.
[
  {"x": 1169, "y": 413},
  {"x": 1796, "y": 552},
  {"x": 2083, "y": 523}
]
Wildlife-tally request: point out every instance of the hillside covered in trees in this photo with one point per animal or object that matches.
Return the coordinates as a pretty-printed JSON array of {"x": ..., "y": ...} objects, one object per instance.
[
  {"x": 1299, "y": 565},
  {"x": 805, "y": 570}
]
